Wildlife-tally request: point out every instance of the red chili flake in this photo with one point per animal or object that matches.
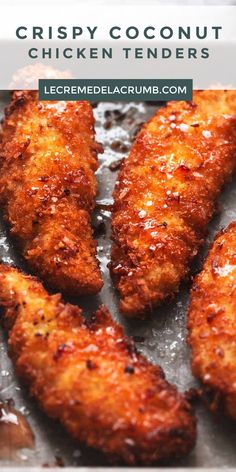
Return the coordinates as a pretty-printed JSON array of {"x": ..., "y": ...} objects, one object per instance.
[
  {"x": 129, "y": 369},
  {"x": 61, "y": 350},
  {"x": 116, "y": 165},
  {"x": 90, "y": 364},
  {"x": 43, "y": 178},
  {"x": 193, "y": 394},
  {"x": 107, "y": 124},
  {"x": 119, "y": 146}
]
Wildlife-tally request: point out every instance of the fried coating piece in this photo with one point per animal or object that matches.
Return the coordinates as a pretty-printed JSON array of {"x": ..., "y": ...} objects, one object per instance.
[
  {"x": 212, "y": 321},
  {"x": 165, "y": 196},
  {"x": 47, "y": 188},
  {"x": 90, "y": 377}
]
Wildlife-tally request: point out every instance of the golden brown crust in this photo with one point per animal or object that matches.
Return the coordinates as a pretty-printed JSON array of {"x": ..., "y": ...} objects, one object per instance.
[
  {"x": 91, "y": 378},
  {"x": 165, "y": 195},
  {"x": 48, "y": 188},
  {"x": 212, "y": 321}
]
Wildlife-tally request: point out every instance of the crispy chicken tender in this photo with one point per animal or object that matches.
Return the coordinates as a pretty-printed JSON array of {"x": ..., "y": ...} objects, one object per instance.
[
  {"x": 48, "y": 158},
  {"x": 212, "y": 321},
  {"x": 165, "y": 195},
  {"x": 90, "y": 377}
]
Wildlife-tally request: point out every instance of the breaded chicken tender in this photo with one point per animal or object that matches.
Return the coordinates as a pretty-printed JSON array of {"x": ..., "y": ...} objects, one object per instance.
[
  {"x": 165, "y": 196},
  {"x": 90, "y": 377},
  {"x": 48, "y": 157},
  {"x": 212, "y": 321}
]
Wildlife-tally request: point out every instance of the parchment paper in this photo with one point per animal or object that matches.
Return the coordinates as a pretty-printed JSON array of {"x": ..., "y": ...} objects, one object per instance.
[{"x": 162, "y": 338}]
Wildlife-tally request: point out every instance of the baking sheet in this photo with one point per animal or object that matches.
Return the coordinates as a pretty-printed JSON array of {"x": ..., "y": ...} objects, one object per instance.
[{"x": 162, "y": 338}]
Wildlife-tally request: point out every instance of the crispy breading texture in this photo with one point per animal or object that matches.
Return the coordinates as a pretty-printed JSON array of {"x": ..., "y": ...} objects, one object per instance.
[
  {"x": 165, "y": 195},
  {"x": 90, "y": 377},
  {"x": 47, "y": 188},
  {"x": 212, "y": 321}
]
